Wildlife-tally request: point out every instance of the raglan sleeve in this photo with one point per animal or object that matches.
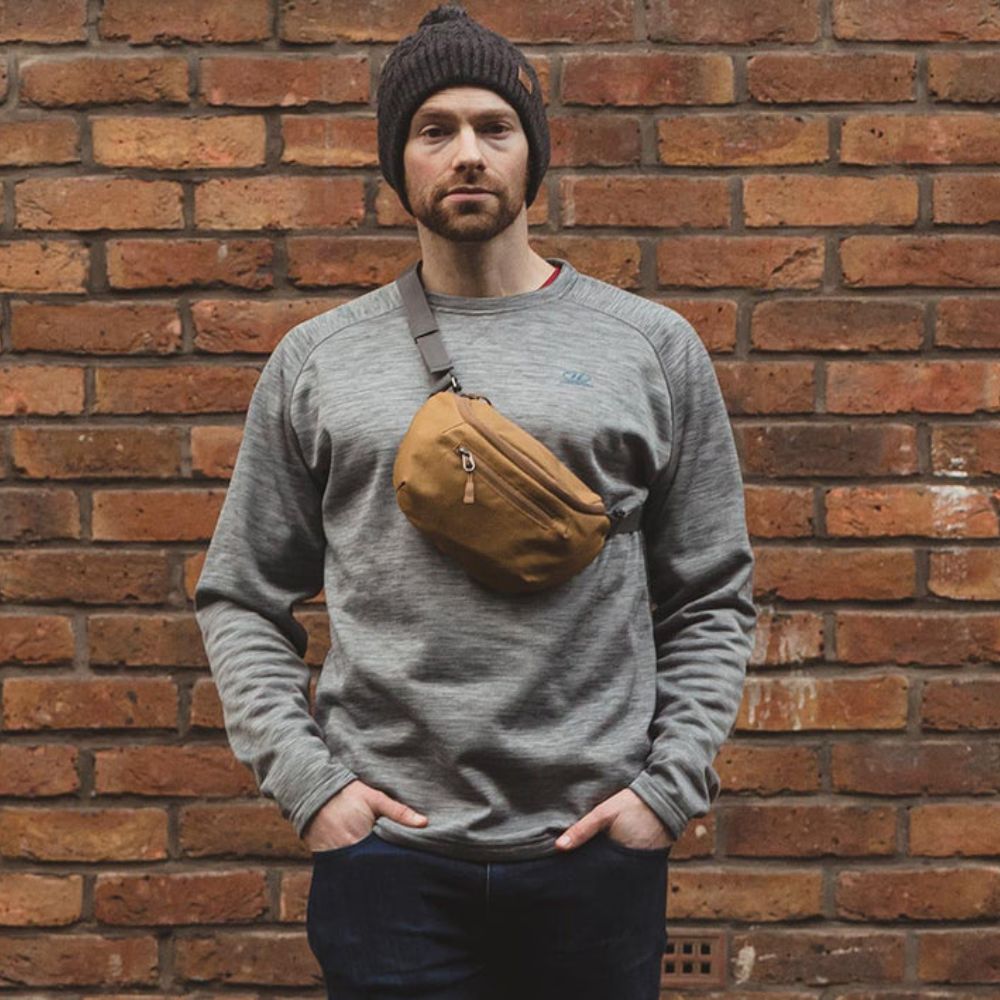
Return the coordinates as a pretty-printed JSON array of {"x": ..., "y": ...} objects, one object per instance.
[
  {"x": 700, "y": 570},
  {"x": 265, "y": 554}
]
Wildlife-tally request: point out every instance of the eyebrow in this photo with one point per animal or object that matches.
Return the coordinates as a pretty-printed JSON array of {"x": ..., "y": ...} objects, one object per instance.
[{"x": 477, "y": 116}]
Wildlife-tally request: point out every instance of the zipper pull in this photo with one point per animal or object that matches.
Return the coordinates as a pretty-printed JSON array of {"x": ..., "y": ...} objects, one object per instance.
[{"x": 469, "y": 464}]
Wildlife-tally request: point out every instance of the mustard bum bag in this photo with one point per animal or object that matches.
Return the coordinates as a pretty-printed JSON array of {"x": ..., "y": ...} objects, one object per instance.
[{"x": 484, "y": 490}]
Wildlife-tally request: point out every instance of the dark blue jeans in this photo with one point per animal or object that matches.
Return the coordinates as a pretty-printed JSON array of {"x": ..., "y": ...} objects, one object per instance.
[{"x": 390, "y": 921}]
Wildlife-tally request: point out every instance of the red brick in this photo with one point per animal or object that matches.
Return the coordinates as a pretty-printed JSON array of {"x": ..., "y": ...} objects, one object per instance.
[
  {"x": 594, "y": 141},
  {"x": 967, "y": 829},
  {"x": 733, "y": 22},
  {"x": 931, "y": 638},
  {"x": 88, "y": 80},
  {"x": 85, "y": 203},
  {"x": 767, "y": 386},
  {"x": 248, "y": 958},
  {"x": 214, "y": 449},
  {"x": 59, "y": 833},
  {"x": 873, "y": 767},
  {"x": 154, "y": 515},
  {"x": 920, "y": 261},
  {"x": 277, "y": 202},
  {"x": 729, "y": 893},
  {"x": 779, "y": 511},
  {"x": 84, "y": 576},
  {"x": 764, "y": 138},
  {"x": 316, "y": 140},
  {"x": 253, "y": 829},
  {"x": 179, "y": 263},
  {"x": 822, "y": 77},
  {"x": 48, "y": 266},
  {"x": 664, "y": 202},
  {"x": 647, "y": 79},
  {"x": 29, "y": 900},
  {"x": 786, "y": 638},
  {"x": 348, "y": 260},
  {"x": 817, "y": 449},
  {"x": 807, "y": 830},
  {"x": 869, "y": 574},
  {"x": 917, "y": 21},
  {"x": 794, "y": 704},
  {"x": 875, "y": 139},
  {"x": 801, "y": 200},
  {"x": 964, "y": 77},
  {"x": 969, "y": 705},
  {"x": 767, "y": 769},
  {"x": 43, "y": 389},
  {"x": 171, "y": 770},
  {"x": 164, "y": 142},
  {"x": 38, "y": 771},
  {"x": 743, "y": 261},
  {"x": 89, "y": 703},
  {"x": 109, "y": 452},
  {"x": 959, "y": 956},
  {"x": 28, "y": 142},
  {"x": 181, "y": 898},
  {"x": 181, "y": 389},
  {"x": 969, "y": 574},
  {"x": 918, "y": 509},
  {"x": 585, "y": 22},
  {"x": 35, "y": 514},
  {"x": 714, "y": 319},
  {"x": 206, "y": 706},
  {"x": 837, "y": 324},
  {"x": 95, "y": 328},
  {"x": 145, "y": 640},
  {"x": 966, "y": 199},
  {"x": 78, "y": 959},
  {"x": 202, "y": 21},
  {"x": 222, "y": 326},
  {"x": 45, "y": 21},
  {"x": 286, "y": 81},
  {"x": 960, "y": 450}
]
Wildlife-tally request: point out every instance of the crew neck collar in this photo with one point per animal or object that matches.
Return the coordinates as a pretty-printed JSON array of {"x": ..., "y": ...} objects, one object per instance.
[{"x": 507, "y": 303}]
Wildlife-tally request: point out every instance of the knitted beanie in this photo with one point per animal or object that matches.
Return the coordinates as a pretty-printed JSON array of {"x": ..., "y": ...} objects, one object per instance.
[{"x": 450, "y": 49}]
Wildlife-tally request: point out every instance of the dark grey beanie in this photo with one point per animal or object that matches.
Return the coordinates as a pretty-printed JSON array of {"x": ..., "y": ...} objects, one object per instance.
[{"x": 450, "y": 49}]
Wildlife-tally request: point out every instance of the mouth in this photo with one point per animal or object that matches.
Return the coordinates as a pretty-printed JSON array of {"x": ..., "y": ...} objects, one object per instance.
[{"x": 469, "y": 193}]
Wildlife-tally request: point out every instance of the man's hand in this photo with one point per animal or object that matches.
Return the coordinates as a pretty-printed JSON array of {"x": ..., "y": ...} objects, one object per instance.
[
  {"x": 633, "y": 822},
  {"x": 349, "y": 816}
]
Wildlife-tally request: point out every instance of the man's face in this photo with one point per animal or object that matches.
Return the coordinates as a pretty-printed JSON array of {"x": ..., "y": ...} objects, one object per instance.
[{"x": 466, "y": 136}]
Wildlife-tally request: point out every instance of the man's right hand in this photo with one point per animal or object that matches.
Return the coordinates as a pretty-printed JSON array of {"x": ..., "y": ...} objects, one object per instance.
[{"x": 349, "y": 816}]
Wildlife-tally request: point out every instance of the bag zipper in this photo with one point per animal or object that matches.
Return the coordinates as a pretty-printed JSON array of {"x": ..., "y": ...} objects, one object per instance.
[
  {"x": 524, "y": 461},
  {"x": 527, "y": 505}
]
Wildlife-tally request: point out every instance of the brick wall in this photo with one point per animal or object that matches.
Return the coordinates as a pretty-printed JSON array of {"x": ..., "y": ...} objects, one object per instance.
[{"x": 813, "y": 183}]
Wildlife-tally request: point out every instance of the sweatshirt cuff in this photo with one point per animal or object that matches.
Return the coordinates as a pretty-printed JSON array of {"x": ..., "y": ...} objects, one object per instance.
[
  {"x": 304, "y": 810},
  {"x": 645, "y": 786}
]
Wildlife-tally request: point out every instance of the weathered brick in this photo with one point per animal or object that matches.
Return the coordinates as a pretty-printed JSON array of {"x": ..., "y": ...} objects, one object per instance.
[
  {"x": 868, "y": 574},
  {"x": 767, "y": 768},
  {"x": 108, "y": 452},
  {"x": 733, "y": 22},
  {"x": 967, "y": 704},
  {"x": 48, "y": 266},
  {"x": 78, "y": 959},
  {"x": 206, "y": 706},
  {"x": 734, "y": 893},
  {"x": 875, "y": 139},
  {"x": 87, "y": 80},
  {"x": 779, "y": 511},
  {"x": 145, "y": 640},
  {"x": 30, "y": 900},
  {"x": 248, "y": 958},
  {"x": 41, "y": 389},
  {"x": 930, "y": 638},
  {"x": 594, "y": 141},
  {"x": 647, "y": 79},
  {"x": 941, "y": 829},
  {"x": 154, "y": 515},
  {"x": 767, "y": 386},
  {"x": 38, "y": 771},
  {"x": 785, "y": 638},
  {"x": 921, "y": 510},
  {"x": 84, "y": 576},
  {"x": 214, "y": 449},
  {"x": 752, "y": 139},
  {"x": 801, "y": 200},
  {"x": 277, "y": 202},
  {"x": 841, "y": 77},
  {"x": 181, "y": 898},
  {"x": 917, "y": 21},
  {"x": 664, "y": 202},
  {"x": 84, "y": 203},
  {"x": 837, "y": 324},
  {"x": 179, "y": 389},
  {"x": 96, "y": 328},
  {"x": 197, "y": 771},
  {"x": 286, "y": 81},
  {"x": 924, "y": 261},
  {"x": 962, "y": 450},
  {"x": 222, "y": 326},
  {"x": 329, "y": 140},
  {"x": 30, "y": 142},
  {"x": 808, "y": 830},
  {"x": 168, "y": 143},
  {"x": 251, "y": 829},
  {"x": 969, "y": 574},
  {"x": 744, "y": 261},
  {"x": 959, "y": 956},
  {"x": 34, "y": 514},
  {"x": 964, "y": 77},
  {"x": 794, "y": 704},
  {"x": 713, "y": 318},
  {"x": 178, "y": 263},
  {"x": 45, "y": 21},
  {"x": 38, "y": 703},
  {"x": 966, "y": 199},
  {"x": 348, "y": 260},
  {"x": 58, "y": 833},
  {"x": 199, "y": 21}
]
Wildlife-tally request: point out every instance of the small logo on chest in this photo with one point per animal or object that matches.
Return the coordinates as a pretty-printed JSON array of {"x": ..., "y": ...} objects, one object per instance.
[{"x": 577, "y": 378}]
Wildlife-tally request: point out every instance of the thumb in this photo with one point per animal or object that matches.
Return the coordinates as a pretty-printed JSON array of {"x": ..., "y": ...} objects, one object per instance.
[{"x": 397, "y": 811}]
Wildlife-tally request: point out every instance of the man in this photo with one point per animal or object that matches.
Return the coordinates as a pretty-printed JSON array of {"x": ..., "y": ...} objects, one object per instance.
[{"x": 461, "y": 734}]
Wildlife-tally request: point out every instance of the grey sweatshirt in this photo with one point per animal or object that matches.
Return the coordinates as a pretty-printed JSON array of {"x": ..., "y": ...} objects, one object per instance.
[{"x": 502, "y": 718}]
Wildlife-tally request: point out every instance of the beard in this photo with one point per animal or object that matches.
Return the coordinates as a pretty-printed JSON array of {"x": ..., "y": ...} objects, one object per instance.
[{"x": 473, "y": 221}]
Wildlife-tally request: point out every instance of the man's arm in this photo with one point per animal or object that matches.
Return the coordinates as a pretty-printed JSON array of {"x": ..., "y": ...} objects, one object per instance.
[
  {"x": 700, "y": 568},
  {"x": 267, "y": 553}
]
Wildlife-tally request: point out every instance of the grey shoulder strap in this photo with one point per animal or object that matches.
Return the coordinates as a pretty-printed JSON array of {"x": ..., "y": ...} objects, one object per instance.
[{"x": 424, "y": 329}]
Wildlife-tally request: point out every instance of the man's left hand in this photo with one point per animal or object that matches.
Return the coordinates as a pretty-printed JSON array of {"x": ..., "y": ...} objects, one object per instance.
[{"x": 633, "y": 824}]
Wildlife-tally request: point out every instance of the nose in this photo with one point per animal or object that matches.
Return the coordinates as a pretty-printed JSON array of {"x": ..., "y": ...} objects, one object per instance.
[{"x": 468, "y": 152}]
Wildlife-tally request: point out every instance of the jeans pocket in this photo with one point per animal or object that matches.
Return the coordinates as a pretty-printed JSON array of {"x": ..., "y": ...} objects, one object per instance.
[
  {"x": 635, "y": 852},
  {"x": 336, "y": 852}
]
